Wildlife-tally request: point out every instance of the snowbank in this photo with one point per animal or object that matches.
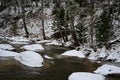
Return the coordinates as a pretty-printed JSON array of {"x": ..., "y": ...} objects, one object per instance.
[
  {"x": 4, "y": 53},
  {"x": 74, "y": 53},
  {"x": 33, "y": 47},
  {"x": 85, "y": 76},
  {"x": 108, "y": 69},
  {"x": 31, "y": 59},
  {"x": 6, "y": 46}
]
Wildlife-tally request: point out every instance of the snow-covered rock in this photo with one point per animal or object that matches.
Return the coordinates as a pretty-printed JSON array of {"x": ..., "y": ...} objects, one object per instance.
[
  {"x": 85, "y": 76},
  {"x": 31, "y": 59},
  {"x": 33, "y": 47},
  {"x": 4, "y": 53},
  {"x": 6, "y": 46},
  {"x": 74, "y": 53},
  {"x": 108, "y": 69}
]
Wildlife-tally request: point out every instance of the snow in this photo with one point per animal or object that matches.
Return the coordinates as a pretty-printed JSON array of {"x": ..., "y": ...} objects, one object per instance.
[
  {"x": 18, "y": 42},
  {"x": 4, "y": 53},
  {"x": 48, "y": 57},
  {"x": 18, "y": 39},
  {"x": 67, "y": 44},
  {"x": 6, "y": 46},
  {"x": 29, "y": 58},
  {"x": 93, "y": 56},
  {"x": 54, "y": 42},
  {"x": 74, "y": 53},
  {"x": 85, "y": 76},
  {"x": 108, "y": 69},
  {"x": 33, "y": 47},
  {"x": 113, "y": 56},
  {"x": 44, "y": 41}
]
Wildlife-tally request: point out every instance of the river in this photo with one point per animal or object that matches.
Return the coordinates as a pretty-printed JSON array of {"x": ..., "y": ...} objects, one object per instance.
[{"x": 58, "y": 68}]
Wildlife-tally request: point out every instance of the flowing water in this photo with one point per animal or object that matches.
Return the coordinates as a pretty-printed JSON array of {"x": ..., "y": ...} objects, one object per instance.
[{"x": 58, "y": 68}]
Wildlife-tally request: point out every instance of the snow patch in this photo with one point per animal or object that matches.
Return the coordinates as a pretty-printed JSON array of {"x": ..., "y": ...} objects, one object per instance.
[{"x": 85, "y": 76}]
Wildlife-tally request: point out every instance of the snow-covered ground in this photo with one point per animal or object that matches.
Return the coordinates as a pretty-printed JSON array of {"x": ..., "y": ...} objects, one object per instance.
[
  {"x": 85, "y": 76},
  {"x": 108, "y": 69},
  {"x": 6, "y": 46},
  {"x": 31, "y": 59},
  {"x": 33, "y": 47}
]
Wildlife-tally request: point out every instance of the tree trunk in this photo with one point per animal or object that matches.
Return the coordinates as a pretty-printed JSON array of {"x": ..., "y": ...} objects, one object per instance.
[
  {"x": 24, "y": 24},
  {"x": 43, "y": 28},
  {"x": 65, "y": 25},
  {"x": 76, "y": 42}
]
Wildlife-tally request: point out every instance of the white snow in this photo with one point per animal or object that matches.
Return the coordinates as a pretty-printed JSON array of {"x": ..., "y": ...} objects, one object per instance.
[
  {"x": 54, "y": 42},
  {"x": 93, "y": 56},
  {"x": 74, "y": 53},
  {"x": 108, "y": 69},
  {"x": 12, "y": 42},
  {"x": 6, "y": 46},
  {"x": 85, "y": 76},
  {"x": 4, "y": 53},
  {"x": 48, "y": 57},
  {"x": 33, "y": 47},
  {"x": 44, "y": 41},
  {"x": 18, "y": 39},
  {"x": 31, "y": 59},
  {"x": 114, "y": 55}
]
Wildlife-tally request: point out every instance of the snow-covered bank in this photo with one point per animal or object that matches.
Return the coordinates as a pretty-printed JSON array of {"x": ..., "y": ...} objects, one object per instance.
[
  {"x": 33, "y": 47},
  {"x": 101, "y": 54},
  {"x": 85, "y": 76},
  {"x": 31, "y": 59},
  {"x": 108, "y": 69},
  {"x": 5, "y": 53}
]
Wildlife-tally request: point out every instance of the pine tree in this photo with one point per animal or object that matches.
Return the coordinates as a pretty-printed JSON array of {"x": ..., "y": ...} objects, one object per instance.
[
  {"x": 103, "y": 29},
  {"x": 81, "y": 33}
]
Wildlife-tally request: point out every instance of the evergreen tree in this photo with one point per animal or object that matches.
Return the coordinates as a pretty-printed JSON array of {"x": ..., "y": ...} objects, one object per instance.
[
  {"x": 103, "y": 29},
  {"x": 81, "y": 33}
]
